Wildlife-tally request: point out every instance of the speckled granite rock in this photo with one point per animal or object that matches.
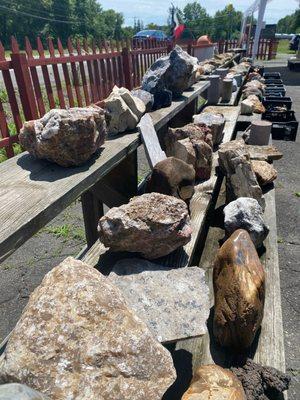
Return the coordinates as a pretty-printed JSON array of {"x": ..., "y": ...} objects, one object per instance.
[
  {"x": 215, "y": 122},
  {"x": 241, "y": 181},
  {"x": 173, "y": 303},
  {"x": 175, "y": 72},
  {"x": 261, "y": 383},
  {"x": 16, "y": 391},
  {"x": 173, "y": 177},
  {"x": 77, "y": 339},
  {"x": 192, "y": 143},
  {"x": 212, "y": 382},
  {"x": 124, "y": 110},
  {"x": 246, "y": 213},
  {"x": 153, "y": 225},
  {"x": 66, "y": 137},
  {"x": 239, "y": 289},
  {"x": 265, "y": 172}
]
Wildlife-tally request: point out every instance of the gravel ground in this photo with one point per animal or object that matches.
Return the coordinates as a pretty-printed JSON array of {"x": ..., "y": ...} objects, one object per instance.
[{"x": 64, "y": 236}]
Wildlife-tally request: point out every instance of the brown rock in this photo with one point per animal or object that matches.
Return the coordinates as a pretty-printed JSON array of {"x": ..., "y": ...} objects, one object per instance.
[
  {"x": 173, "y": 177},
  {"x": 215, "y": 121},
  {"x": 77, "y": 339},
  {"x": 265, "y": 172},
  {"x": 152, "y": 224},
  {"x": 212, "y": 382},
  {"x": 192, "y": 144},
  {"x": 66, "y": 137},
  {"x": 257, "y": 106},
  {"x": 263, "y": 153},
  {"x": 238, "y": 279},
  {"x": 241, "y": 181}
]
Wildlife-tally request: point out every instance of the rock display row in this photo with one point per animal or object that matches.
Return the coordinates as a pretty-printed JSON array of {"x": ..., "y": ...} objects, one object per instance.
[
  {"x": 66, "y": 137},
  {"x": 169, "y": 76},
  {"x": 234, "y": 160},
  {"x": 152, "y": 225},
  {"x": 78, "y": 339},
  {"x": 239, "y": 292},
  {"x": 245, "y": 213},
  {"x": 193, "y": 144}
]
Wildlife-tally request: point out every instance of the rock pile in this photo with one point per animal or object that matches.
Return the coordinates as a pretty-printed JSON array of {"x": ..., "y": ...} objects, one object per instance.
[
  {"x": 124, "y": 110},
  {"x": 153, "y": 225},
  {"x": 77, "y": 339},
  {"x": 238, "y": 279},
  {"x": 211, "y": 382},
  {"x": 66, "y": 137},
  {"x": 192, "y": 144}
]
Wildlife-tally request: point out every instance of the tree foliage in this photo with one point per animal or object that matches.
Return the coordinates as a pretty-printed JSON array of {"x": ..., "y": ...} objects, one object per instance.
[{"x": 290, "y": 23}]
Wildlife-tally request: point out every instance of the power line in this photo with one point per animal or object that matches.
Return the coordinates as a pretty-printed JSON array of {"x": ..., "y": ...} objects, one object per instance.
[{"x": 36, "y": 16}]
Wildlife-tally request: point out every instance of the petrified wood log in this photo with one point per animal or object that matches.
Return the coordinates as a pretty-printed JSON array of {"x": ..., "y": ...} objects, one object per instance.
[
  {"x": 265, "y": 172},
  {"x": 173, "y": 177},
  {"x": 239, "y": 289},
  {"x": 212, "y": 382},
  {"x": 215, "y": 121}
]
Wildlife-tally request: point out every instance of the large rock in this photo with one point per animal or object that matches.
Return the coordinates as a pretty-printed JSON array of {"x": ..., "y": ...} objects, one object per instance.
[
  {"x": 261, "y": 383},
  {"x": 146, "y": 97},
  {"x": 16, "y": 391},
  {"x": 152, "y": 224},
  {"x": 124, "y": 110},
  {"x": 241, "y": 181},
  {"x": 239, "y": 289},
  {"x": 246, "y": 213},
  {"x": 173, "y": 303},
  {"x": 215, "y": 121},
  {"x": 175, "y": 72},
  {"x": 66, "y": 137},
  {"x": 77, "y": 339},
  {"x": 173, "y": 177},
  {"x": 265, "y": 172},
  {"x": 192, "y": 144},
  {"x": 263, "y": 153},
  {"x": 212, "y": 382}
]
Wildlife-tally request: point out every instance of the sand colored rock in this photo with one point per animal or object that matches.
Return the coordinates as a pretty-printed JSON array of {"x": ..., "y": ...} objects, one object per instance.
[
  {"x": 239, "y": 289},
  {"x": 77, "y": 339},
  {"x": 212, "y": 382},
  {"x": 153, "y": 225},
  {"x": 215, "y": 121},
  {"x": 265, "y": 172},
  {"x": 66, "y": 137}
]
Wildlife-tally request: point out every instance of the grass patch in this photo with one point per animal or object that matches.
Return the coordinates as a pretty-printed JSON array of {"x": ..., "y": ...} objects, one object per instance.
[
  {"x": 283, "y": 47},
  {"x": 66, "y": 231},
  {"x": 297, "y": 194},
  {"x": 3, "y": 95}
]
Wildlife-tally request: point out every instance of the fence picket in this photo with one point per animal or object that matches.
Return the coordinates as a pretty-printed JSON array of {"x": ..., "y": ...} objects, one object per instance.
[
  {"x": 66, "y": 74},
  {"x": 59, "y": 90},
  {"x": 45, "y": 73},
  {"x": 82, "y": 73},
  {"x": 90, "y": 72},
  {"x": 97, "y": 73},
  {"x": 74, "y": 73}
]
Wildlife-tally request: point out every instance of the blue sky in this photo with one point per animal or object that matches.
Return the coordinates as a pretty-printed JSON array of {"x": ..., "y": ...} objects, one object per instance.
[{"x": 156, "y": 10}]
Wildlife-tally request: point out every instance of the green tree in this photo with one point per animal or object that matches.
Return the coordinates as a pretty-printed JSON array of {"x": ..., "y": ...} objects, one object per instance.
[
  {"x": 226, "y": 23},
  {"x": 61, "y": 11},
  {"x": 290, "y": 23},
  {"x": 197, "y": 19}
]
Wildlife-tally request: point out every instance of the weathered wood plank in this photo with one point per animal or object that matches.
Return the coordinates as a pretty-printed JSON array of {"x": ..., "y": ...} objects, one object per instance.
[{"x": 149, "y": 137}]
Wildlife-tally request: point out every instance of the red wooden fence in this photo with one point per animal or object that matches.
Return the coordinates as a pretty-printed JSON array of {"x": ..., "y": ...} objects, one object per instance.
[
  {"x": 267, "y": 48},
  {"x": 82, "y": 73}
]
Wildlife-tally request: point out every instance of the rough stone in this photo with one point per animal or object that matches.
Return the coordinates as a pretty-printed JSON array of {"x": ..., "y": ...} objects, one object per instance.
[
  {"x": 77, "y": 339},
  {"x": 261, "y": 383},
  {"x": 246, "y": 213},
  {"x": 124, "y": 110},
  {"x": 212, "y": 382},
  {"x": 146, "y": 97},
  {"x": 192, "y": 144},
  {"x": 173, "y": 303},
  {"x": 246, "y": 107},
  {"x": 250, "y": 91},
  {"x": 215, "y": 121},
  {"x": 265, "y": 172},
  {"x": 241, "y": 181},
  {"x": 239, "y": 289},
  {"x": 173, "y": 177},
  {"x": 66, "y": 137},
  {"x": 263, "y": 153},
  {"x": 257, "y": 106},
  {"x": 153, "y": 225},
  {"x": 16, "y": 391},
  {"x": 175, "y": 72}
]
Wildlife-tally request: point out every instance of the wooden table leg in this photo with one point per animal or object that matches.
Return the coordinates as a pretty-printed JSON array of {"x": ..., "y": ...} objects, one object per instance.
[{"x": 92, "y": 210}]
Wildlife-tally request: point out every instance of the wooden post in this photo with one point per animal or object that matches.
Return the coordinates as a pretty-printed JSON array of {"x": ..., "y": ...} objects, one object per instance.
[
  {"x": 127, "y": 67},
  {"x": 21, "y": 70},
  {"x": 92, "y": 210}
]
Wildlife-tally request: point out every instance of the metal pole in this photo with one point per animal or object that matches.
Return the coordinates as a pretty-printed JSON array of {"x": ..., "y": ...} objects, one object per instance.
[{"x": 261, "y": 13}]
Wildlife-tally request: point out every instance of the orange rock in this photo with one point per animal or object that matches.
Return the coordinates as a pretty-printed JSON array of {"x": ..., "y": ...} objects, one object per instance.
[
  {"x": 265, "y": 172},
  {"x": 212, "y": 382},
  {"x": 239, "y": 290}
]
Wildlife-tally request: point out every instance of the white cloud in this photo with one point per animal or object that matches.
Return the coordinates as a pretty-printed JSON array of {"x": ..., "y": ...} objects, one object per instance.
[{"x": 157, "y": 10}]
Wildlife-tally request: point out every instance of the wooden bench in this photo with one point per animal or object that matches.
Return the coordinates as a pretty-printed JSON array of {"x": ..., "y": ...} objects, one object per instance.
[{"x": 33, "y": 192}]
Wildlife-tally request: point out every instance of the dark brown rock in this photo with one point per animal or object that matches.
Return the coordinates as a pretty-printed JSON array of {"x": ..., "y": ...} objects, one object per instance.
[
  {"x": 261, "y": 383},
  {"x": 173, "y": 177},
  {"x": 66, "y": 137},
  {"x": 239, "y": 289}
]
